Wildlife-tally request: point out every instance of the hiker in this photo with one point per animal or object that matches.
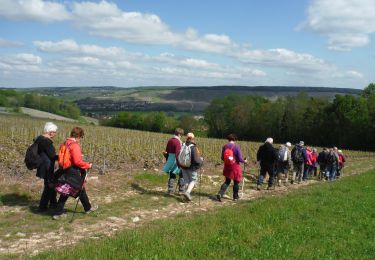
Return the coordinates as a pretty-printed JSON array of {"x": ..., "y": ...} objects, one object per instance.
[
  {"x": 74, "y": 175},
  {"x": 171, "y": 167},
  {"x": 45, "y": 171},
  {"x": 232, "y": 157},
  {"x": 332, "y": 164},
  {"x": 267, "y": 156},
  {"x": 314, "y": 163},
  {"x": 308, "y": 164},
  {"x": 341, "y": 164},
  {"x": 284, "y": 162},
  {"x": 299, "y": 158},
  {"x": 193, "y": 162},
  {"x": 322, "y": 161}
]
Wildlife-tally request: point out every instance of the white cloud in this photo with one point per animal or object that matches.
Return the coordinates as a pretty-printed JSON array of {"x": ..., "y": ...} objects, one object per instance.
[
  {"x": 107, "y": 20},
  {"x": 5, "y": 43},
  {"x": 24, "y": 62},
  {"x": 70, "y": 46},
  {"x": 347, "y": 23},
  {"x": 283, "y": 58},
  {"x": 355, "y": 74},
  {"x": 33, "y": 10}
]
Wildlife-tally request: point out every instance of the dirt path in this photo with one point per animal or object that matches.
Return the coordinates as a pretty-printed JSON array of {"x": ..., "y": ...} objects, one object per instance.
[{"x": 63, "y": 233}]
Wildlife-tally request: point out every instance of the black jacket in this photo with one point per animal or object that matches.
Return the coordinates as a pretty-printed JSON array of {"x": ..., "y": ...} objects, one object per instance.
[
  {"x": 267, "y": 154},
  {"x": 47, "y": 152}
]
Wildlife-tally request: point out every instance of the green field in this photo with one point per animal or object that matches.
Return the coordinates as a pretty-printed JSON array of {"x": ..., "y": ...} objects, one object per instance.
[{"x": 328, "y": 221}]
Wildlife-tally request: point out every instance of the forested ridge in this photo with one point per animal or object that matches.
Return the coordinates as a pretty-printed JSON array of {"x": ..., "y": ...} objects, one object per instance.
[{"x": 14, "y": 99}]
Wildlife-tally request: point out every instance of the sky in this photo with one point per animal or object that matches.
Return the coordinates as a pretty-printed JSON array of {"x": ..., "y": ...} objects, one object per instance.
[{"x": 131, "y": 43}]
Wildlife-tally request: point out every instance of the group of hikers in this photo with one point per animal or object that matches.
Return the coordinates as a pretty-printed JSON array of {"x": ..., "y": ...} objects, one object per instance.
[
  {"x": 69, "y": 179},
  {"x": 301, "y": 161},
  {"x": 183, "y": 161}
]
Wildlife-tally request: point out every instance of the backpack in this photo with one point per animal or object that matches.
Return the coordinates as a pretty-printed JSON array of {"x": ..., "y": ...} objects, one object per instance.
[
  {"x": 32, "y": 158},
  {"x": 64, "y": 157},
  {"x": 282, "y": 154},
  {"x": 184, "y": 157},
  {"x": 229, "y": 156},
  {"x": 297, "y": 155},
  {"x": 331, "y": 158}
]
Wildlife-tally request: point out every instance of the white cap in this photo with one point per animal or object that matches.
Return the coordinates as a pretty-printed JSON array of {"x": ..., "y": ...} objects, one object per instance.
[
  {"x": 269, "y": 140},
  {"x": 190, "y": 135},
  {"x": 50, "y": 127},
  {"x": 339, "y": 151},
  {"x": 288, "y": 144}
]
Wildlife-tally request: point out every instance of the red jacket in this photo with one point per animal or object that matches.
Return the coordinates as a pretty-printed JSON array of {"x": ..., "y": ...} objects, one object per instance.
[{"x": 76, "y": 154}]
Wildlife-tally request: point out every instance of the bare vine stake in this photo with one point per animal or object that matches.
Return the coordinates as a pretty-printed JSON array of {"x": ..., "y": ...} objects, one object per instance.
[{"x": 104, "y": 154}]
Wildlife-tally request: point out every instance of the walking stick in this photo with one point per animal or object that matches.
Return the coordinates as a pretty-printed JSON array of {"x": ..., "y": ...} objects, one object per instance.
[
  {"x": 243, "y": 178},
  {"x": 79, "y": 194},
  {"x": 200, "y": 184}
]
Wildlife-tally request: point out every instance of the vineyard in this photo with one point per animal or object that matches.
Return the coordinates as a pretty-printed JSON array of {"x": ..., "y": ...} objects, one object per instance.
[
  {"x": 126, "y": 182},
  {"x": 109, "y": 148}
]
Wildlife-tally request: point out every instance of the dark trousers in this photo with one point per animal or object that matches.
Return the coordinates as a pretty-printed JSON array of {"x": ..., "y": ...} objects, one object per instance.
[
  {"x": 82, "y": 197},
  {"x": 171, "y": 180},
  {"x": 225, "y": 186},
  {"x": 48, "y": 196},
  {"x": 263, "y": 171},
  {"x": 236, "y": 187}
]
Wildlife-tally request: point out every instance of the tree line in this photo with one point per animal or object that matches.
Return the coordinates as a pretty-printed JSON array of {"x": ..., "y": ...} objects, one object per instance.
[
  {"x": 13, "y": 99},
  {"x": 156, "y": 122},
  {"x": 346, "y": 121}
]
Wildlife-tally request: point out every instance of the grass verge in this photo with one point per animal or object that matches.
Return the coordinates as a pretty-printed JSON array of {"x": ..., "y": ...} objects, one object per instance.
[{"x": 332, "y": 220}]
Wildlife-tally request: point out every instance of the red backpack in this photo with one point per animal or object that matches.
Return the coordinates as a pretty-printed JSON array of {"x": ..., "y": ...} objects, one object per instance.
[{"x": 229, "y": 156}]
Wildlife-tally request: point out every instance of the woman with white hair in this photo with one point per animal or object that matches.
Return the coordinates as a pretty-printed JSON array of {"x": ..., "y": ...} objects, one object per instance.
[{"x": 45, "y": 170}]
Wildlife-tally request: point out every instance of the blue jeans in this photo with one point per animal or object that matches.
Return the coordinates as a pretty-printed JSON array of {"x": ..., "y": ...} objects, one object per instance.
[{"x": 331, "y": 172}]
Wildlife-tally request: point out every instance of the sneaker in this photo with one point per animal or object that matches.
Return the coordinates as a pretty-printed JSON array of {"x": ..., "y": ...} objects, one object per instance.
[
  {"x": 270, "y": 188},
  {"x": 170, "y": 192},
  {"x": 218, "y": 196},
  {"x": 59, "y": 216},
  {"x": 187, "y": 196},
  {"x": 92, "y": 209},
  {"x": 258, "y": 187}
]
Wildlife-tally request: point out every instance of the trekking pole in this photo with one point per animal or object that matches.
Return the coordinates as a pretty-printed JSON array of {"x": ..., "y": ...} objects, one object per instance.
[
  {"x": 79, "y": 194},
  {"x": 243, "y": 178},
  {"x": 200, "y": 184},
  {"x": 80, "y": 191}
]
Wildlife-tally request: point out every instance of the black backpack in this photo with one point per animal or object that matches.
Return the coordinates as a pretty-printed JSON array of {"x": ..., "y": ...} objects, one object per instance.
[
  {"x": 331, "y": 158},
  {"x": 32, "y": 158},
  {"x": 297, "y": 155}
]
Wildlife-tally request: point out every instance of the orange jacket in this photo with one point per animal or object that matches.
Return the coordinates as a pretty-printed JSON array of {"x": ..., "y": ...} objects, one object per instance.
[{"x": 76, "y": 154}]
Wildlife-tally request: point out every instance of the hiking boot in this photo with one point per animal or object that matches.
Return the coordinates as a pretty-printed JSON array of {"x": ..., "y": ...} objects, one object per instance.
[
  {"x": 170, "y": 192},
  {"x": 92, "y": 209},
  {"x": 218, "y": 197},
  {"x": 187, "y": 196},
  {"x": 59, "y": 216},
  {"x": 270, "y": 188},
  {"x": 259, "y": 187}
]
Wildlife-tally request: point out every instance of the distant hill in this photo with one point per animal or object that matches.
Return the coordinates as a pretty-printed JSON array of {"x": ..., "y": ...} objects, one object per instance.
[{"x": 109, "y": 99}]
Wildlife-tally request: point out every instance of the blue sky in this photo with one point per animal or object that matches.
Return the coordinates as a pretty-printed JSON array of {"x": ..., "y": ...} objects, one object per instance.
[{"x": 131, "y": 43}]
